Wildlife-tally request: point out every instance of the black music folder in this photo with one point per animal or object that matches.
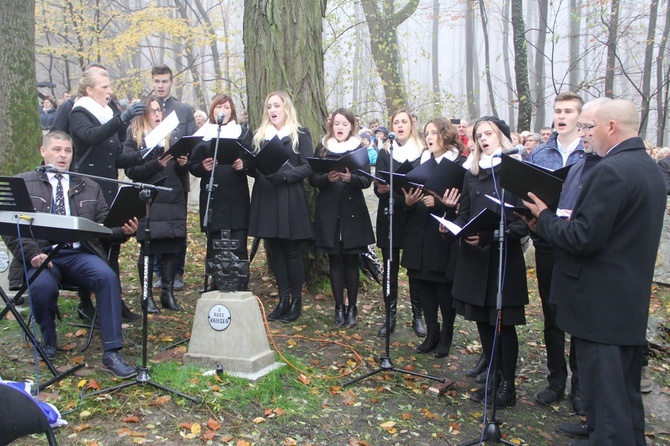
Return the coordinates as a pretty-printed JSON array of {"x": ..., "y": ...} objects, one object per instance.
[
  {"x": 447, "y": 175},
  {"x": 271, "y": 158},
  {"x": 14, "y": 195},
  {"x": 230, "y": 149},
  {"x": 356, "y": 159},
  {"x": 400, "y": 181},
  {"x": 128, "y": 204},
  {"x": 422, "y": 172},
  {"x": 561, "y": 173},
  {"x": 486, "y": 220},
  {"x": 520, "y": 178},
  {"x": 522, "y": 210},
  {"x": 183, "y": 146}
]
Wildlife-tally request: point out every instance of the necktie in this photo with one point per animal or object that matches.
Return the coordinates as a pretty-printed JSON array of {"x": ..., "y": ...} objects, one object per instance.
[{"x": 60, "y": 196}]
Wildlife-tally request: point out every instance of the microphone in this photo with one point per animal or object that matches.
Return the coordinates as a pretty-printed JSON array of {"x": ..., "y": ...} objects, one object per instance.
[
  {"x": 221, "y": 117},
  {"x": 391, "y": 136},
  {"x": 513, "y": 151},
  {"x": 50, "y": 168}
]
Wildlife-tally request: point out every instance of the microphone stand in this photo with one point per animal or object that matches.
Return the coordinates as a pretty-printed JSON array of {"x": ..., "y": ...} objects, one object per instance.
[
  {"x": 210, "y": 188},
  {"x": 143, "y": 374},
  {"x": 385, "y": 363},
  {"x": 491, "y": 431}
]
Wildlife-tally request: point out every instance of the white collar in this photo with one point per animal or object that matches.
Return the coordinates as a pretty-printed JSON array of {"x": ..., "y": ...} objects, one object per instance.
[
  {"x": 102, "y": 114},
  {"x": 407, "y": 152},
  {"x": 488, "y": 161},
  {"x": 209, "y": 130},
  {"x": 334, "y": 146},
  {"x": 271, "y": 132}
]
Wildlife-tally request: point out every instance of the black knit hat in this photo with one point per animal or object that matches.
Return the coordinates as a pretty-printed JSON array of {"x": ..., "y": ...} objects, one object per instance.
[{"x": 502, "y": 125}]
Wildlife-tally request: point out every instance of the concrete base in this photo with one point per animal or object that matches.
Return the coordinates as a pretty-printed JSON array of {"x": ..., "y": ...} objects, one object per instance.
[{"x": 238, "y": 343}]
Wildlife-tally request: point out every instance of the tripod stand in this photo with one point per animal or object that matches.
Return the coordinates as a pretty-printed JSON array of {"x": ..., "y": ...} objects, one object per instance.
[
  {"x": 385, "y": 362},
  {"x": 143, "y": 375},
  {"x": 491, "y": 430}
]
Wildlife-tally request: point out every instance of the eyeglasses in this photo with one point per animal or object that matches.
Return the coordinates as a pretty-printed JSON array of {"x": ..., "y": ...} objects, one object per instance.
[
  {"x": 156, "y": 111},
  {"x": 585, "y": 127}
]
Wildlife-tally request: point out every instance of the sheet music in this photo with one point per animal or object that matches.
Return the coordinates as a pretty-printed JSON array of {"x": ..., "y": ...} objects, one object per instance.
[{"x": 161, "y": 131}]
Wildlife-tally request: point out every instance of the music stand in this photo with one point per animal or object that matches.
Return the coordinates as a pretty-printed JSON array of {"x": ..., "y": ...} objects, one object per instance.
[
  {"x": 14, "y": 197},
  {"x": 385, "y": 363}
]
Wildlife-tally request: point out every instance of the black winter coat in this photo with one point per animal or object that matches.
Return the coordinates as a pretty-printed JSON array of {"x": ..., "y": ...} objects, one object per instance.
[
  {"x": 168, "y": 211},
  {"x": 281, "y": 211},
  {"x": 344, "y": 203},
  {"x": 476, "y": 276},
  {"x": 230, "y": 206}
]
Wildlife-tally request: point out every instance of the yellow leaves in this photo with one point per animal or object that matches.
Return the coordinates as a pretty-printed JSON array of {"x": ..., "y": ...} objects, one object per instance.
[
  {"x": 389, "y": 426},
  {"x": 304, "y": 379},
  {"x": 258, "y": 420},
  {"x": 81, "y": 427},
  {"x": 192, "y": 430},
  {"x": 288, "y": 441}
]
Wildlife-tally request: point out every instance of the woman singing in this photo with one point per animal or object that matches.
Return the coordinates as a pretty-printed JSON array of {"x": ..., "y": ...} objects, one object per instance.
[
  {"x": 342, "y": 222},
  {"x": 168, "y": 211},
  {"x": 279, "y": 211},
  {"x": 229, "y": 206}
]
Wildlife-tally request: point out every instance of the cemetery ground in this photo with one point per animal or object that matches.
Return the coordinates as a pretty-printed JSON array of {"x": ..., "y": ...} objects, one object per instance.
[{"x": 305, "y": 403}]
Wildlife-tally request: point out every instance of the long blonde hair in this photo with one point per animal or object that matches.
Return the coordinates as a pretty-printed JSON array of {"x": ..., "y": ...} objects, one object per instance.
[
  {"x": 505, "y": 142},
  {"x": 291, "y": 121},
  {"x": 140, "y": 126}
]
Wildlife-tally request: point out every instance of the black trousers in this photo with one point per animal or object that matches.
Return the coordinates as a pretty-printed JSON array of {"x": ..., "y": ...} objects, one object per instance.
[
  {"x": 610, "y": 386},
  {"x": 288, "y": 267}
]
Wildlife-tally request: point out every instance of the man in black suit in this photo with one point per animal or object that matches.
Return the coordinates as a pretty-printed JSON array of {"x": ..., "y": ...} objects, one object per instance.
[{"x": 604, "y": 269}]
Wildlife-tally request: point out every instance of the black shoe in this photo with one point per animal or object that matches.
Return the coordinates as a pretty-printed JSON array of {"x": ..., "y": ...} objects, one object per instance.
[
  {"x": 382, "y": 331},
  {"x": 430, "y": 342},
  {"x": 282, "y": 308},
  {"x": 444, "y": 346},
  {"x": 293, "y": 312},
  {"x": 550, "y": 394},
  {"x": 478, "y": 368},
  {"x": 350, "y": 317},
  {"x": 481, "y": 378},
  {"x": 127, "y": 315},
  {"x": 478, "y": 395},
  {"x": 50, "y": 349},
  {"x": 86, "y": 311},
  {"x": 577, "y": 402},
  {"x": 505, "y": 395},
  {"x": 114, "y": 363},
  {"x": 574, "y": 430},
  {"x": 339, "y": 315}
]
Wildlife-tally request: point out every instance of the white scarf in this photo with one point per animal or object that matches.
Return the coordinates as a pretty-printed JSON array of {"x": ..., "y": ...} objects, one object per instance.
[
  {"x": 451, "y": 154},
  {"x": 488, "y": 161},
  {"x": 209, "y": 130},
  {"x": 271, "y": 132},
  {"x": 102, "y": 114},
  {"x": 334, "y": 146},
  {"x": 407, "y": 152}
]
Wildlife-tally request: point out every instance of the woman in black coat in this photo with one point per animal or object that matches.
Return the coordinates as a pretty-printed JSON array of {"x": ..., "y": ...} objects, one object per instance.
[
  {"x": 341, "y": 221},
  {"x": 168, "y": 211},
  {"x": 229, "y": 206},
  {"x": 406, "y": 147},
  {"x": 476, "y": 276},
  {"x": 426, "y": 254},
  {"x": 279, "y": 212}
]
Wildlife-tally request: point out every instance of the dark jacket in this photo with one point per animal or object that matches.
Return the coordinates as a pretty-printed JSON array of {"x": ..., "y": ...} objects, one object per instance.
[
  {"x": 168, "y": 211},
  {"x": 186, "y": 127},
  {"x": 476, "y": 276},
  {"x": 383, "y": 223},
  {"x": 575, "y": 180},
  {"x": 606, "y": 252},
  {"x": 281, "y": 211},
  {"x": 47, "y": 118},
  {"x": 86, "y": 200},
  {"x": 342, "y": 205},
  {"x": 664, "y": 164},
  {"x": 229, "y": 208}
]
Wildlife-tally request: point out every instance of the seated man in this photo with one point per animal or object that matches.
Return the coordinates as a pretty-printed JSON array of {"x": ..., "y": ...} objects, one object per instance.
[{"x": 82, "y": 264}]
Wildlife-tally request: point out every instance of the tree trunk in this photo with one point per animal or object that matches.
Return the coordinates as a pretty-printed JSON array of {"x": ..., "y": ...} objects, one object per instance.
[
  {"x": 506, "y": 63},
  {"x": 662, "y": 83},
  {"x": 575, "y": 22},
  {"x": 540, "y": 62},
  {"x": 611, "y": 49},
  {"x": 487, "y": 60},
  {"x": 213, "y": 45},
  {"x": 521, "y": 66},
  {"x": 646, "y": 72},
  {"x": 383, "y": 26},
  {"x": 436, "y": 60},
  {"x": 19, "y": 121},
  {"x": 283, "y": 50},
  {"x": 472, "y": 92}
]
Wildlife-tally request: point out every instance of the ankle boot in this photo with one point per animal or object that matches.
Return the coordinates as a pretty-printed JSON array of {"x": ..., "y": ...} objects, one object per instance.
[
  {"x": 294, "y": 310},
  {"x": 444, "y": 346},
  {"x": 479, "y": 394},
  {"x": 417, "y": 313},
  {"x": 432, "y": 339},
  {"x": 350, "y": 318},
  {"x": 151, "y": 305},
  {"x": 127, "y": 315},
  {"x": 282, "y": 307},
  {"x": 339, "y": 314},
  {"x": 393, "y": 305},
  {"x": 478, "y": 368},
  {"x": 506, "y": 394},
  {"x": 167, "y": 292}
]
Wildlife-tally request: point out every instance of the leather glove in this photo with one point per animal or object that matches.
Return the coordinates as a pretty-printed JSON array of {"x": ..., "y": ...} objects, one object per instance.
[
  {"x": 276, "y": 178},
  {"x": 132, "y": 111}
]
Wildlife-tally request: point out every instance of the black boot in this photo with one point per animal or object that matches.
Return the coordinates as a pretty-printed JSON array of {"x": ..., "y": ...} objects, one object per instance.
[
  {"x": 444, "y": 346},
  {"x": 506, "y": 394},
  {"x": 168, "y": 267},
  {"x": 417, "y": 313},
  {"x": 350, "y": 318},
  {"x": 339, "y": 314},
  {"x": 393, "y": 306},
  {"x": 282, "y": 307},
  {"x": 151, "y": 305},
  {"x": 432, "y": 339},
  {"x": 479, "y": 394},
  {"x": 127, "y": 315},
  {"x": 294, "y": 310},
  {"x": 478, "y": 368}
]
